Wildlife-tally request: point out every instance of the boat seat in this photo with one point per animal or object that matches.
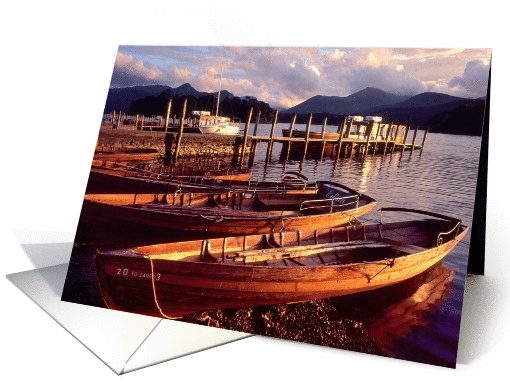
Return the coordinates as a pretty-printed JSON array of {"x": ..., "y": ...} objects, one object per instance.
[{"x": 404, "y": 247}]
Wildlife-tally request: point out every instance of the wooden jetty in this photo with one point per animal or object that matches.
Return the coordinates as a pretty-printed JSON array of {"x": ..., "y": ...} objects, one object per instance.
[{"x": 355, "y": 135}]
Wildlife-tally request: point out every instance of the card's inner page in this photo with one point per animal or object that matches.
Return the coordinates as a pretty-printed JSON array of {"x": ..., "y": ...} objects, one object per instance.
[{"x": 322, "y": 195}]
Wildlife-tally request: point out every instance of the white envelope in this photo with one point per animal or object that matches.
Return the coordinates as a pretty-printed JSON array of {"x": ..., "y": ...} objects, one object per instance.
[{"x": 123, "y": 341}]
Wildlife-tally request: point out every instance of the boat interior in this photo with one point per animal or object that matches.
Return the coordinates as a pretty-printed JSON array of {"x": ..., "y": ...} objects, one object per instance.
[
  {"x": 335, "y": 246},
  {"x": 242, "y": 203}
]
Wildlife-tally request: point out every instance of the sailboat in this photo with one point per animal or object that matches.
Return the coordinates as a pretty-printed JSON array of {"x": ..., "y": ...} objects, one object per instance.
[{"x": 215, "y": 124}]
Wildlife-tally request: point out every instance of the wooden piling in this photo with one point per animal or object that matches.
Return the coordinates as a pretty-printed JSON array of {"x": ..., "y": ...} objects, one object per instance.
[
  {"x": 271, "y": 137},
  {"x": 257, "y": 123},
  {"x": 141, "y": 121},
  {"x": 307, "y": 133},
  {"x": 322, "y": 136},
  {"x": 405, "y": 137},
  {"x": 245, "y": 136},
  {"x": 253, "y": 151},
  {"x": 181, "y": 129},
  {"x": 168, "y": 115},
  {"x": 343, "y": 124},
  {"x": 388, "y": 133},
  {"x": 424, "y": 139},
  {"x": 292, "y": 122},
  {"x": 414, "y": 138},
  {"x": 395, "y": 138},
  {"x": 376, "y": 138},
  {"x": 369, "y": 132}
]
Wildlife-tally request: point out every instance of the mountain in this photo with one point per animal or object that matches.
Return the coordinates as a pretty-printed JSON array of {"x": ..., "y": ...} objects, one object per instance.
[
  {"x": 373, "y": 97},
  {"x": 120, "y": 99},
  {"x": 322, "y": 104},
  {"x": 422, "y": 100},
  {"x": 466, "y": 119},
  {"x": 354, "y": 103}
]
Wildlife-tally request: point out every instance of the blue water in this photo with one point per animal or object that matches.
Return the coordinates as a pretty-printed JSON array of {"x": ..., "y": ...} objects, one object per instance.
[{"x": 441, "y": 178}]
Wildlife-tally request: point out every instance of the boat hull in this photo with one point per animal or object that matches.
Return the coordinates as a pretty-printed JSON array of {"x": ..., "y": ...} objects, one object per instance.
[
  {"x": 219, "y": 130},
  {"x": 106, "y": 154},
  {"x": 214, "y": 221},
  {"x": 175, "y": 289}
]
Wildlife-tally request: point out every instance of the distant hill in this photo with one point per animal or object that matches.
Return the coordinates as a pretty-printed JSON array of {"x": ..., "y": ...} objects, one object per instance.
[
  {"x": 120, "y": 99},
  {"x": 354, "y": 103},
  {"x": 466, "y": 119},
  {"x": 437, "y": 111},
  {"x": 427, "y": 99},
  {"x": 416, "y": 115}
]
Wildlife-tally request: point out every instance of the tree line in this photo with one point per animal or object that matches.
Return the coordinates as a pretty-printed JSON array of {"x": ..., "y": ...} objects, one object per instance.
[{"x": 230, "y": 106}]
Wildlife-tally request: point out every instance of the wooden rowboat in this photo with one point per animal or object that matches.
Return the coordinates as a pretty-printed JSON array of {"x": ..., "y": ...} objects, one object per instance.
[
  {"x": 177, "y": 279},
  {"x": 221, "y": 170},
  {"x": 311, "y": 134},
  {"x": 232, "y": 213},
  {"x": 136, "y": 155},
  {"x": 118, "y": 178}
]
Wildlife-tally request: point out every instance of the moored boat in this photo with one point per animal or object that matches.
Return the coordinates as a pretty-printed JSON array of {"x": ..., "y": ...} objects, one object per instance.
[
  {"x": 177, "y": 279},
  {"x": 131, "y": 155},
  {"x": 232, "y": 212},
  {"x": 115, "y": 178}
]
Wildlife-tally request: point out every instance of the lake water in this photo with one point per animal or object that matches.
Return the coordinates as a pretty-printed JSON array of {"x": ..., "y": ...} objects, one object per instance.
[
  {"x": 442, "y": 178},
  {"x": 418, "y": 320}
]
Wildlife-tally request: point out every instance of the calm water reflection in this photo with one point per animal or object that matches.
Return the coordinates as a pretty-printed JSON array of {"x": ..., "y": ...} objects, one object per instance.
[{"x": 440, "y": 179}]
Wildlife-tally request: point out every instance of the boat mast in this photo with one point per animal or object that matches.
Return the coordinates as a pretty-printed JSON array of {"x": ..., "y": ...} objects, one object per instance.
[{"x": 219, "y": 91}]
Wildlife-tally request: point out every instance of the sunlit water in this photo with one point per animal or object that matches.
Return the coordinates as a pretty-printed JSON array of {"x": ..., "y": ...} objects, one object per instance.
[{"x": 442, "y": 178}]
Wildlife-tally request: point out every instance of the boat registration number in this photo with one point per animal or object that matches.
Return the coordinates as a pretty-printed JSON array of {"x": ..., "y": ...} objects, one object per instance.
[{"x": 132, "y": 273}]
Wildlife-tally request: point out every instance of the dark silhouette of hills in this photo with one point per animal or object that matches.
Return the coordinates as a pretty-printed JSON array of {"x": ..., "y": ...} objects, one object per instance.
[
  {"x": 120, "y": 99},
  {"x": 354, "y": 103},
  {"x": 440, "y": 112}
]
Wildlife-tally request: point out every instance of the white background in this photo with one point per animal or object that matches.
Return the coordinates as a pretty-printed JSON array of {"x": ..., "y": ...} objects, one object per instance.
[{"x": 56, "y": 61}]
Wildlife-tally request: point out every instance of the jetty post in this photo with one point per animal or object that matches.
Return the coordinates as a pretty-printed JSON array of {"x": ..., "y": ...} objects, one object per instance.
[
  {"x": 414, "y": 138},
  {"x": 292, "y": 122},
  {"x": 257, "y": 123},
  {"x": 168, "y": 115},
  {"x": 424, "y": 139},
  {"x": 369, "y": 133},
  {"x": 376, "y": 137},
  {"x": 271, "y": 137},
  {"x": 308, "y": 123},
  {"x": 405, "y": 137},
  {"x": 388, "y": 133},
  {"x": 397, "y": 129},
  {"x": 322, "y": 136},
  {"x": 341, "y": 128},
  {"x": 181, "y": 129},
  {"x": 245, "y": 136}
]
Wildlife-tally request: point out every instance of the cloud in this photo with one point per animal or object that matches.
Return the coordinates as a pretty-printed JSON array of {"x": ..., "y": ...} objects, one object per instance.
[
  {"x": 284, "y": 77},
  {"x": 129, "y": 71},
  {"x": 474, "y": 79}
]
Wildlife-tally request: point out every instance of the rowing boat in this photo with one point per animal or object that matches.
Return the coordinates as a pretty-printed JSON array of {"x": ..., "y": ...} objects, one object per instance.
[
  {"x": 232, "y": 213},
  {"x": 118, "y": 178},
  {"x": 136, "y": 155},
  {"x": 176, "y": 279},
  {"x": 218, "y": 170}
]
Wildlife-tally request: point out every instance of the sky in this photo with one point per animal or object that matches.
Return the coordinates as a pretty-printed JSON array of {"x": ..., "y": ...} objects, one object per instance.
[{"x": 285, "y": 77}]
